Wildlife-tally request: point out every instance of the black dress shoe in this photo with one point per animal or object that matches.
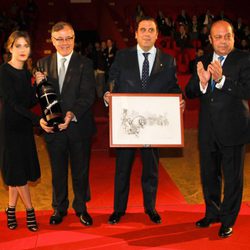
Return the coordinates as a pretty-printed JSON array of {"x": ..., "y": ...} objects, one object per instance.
[
  {"x": 115, "y": 217},
  {"x": 206, "y": 222},
  {"x": 86, "y": 219},
  {"x": 78, "y": 214},
  {"x": 225, "y": 231},
  {"x": 57, "y": 217},
  {"x": 153, "y": 216}
]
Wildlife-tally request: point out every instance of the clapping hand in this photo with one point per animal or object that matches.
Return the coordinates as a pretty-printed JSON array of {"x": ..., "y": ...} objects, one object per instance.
[
  {"x": 215, "y": 69},
  {"x": 204, "y": 75}
]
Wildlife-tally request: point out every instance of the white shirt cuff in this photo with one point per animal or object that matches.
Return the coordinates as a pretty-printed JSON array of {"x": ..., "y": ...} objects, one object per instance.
[
  {"x": 203, "y": 90},
  {"x": 220, "y": 84},
  {"x": 74, "y": 119}
]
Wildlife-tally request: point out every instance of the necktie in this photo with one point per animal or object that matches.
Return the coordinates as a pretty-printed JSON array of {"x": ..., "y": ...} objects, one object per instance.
[
  {"x": 220, "y": 58},
  {"x": 145, "y": 70},
  {"x": 62, "y": 72}
]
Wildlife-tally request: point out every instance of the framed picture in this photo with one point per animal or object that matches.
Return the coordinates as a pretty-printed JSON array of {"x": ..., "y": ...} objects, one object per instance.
[{"x": 145, "y": 120}]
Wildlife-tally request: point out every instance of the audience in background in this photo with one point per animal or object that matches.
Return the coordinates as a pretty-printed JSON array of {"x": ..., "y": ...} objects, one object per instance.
[
  {"x": 100, "y": 66},
  {"x": 111, "y": 51},
  {"x": 194, "y": 28},
  {"x": 182, "y": 32},
  {"x": 204, "y": 37},
  {"x": 183, "y": 18},
  {"x": 244, "y": 45},
  {"x": 139, "y": 12},
  {"x": 206, "y": 18},
  {"x": 193, "y": 63},
  {"x": 182, "y": 38}
]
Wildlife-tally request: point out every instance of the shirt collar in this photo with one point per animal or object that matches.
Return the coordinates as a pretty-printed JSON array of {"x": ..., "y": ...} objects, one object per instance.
[
  {"x": 216, "y": 57},
  {"x": 59, "y": 56},
  {"x": 152, "y": 51}
]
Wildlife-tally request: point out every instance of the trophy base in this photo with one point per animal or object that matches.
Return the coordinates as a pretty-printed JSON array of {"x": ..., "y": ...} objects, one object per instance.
[{"x": 54, "y": 120}]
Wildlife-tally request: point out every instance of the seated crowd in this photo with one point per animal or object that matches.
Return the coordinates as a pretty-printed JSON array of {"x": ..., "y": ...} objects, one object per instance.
[
  {"x": 188, "y": 37},
  {"x": 185, "y": 38}
]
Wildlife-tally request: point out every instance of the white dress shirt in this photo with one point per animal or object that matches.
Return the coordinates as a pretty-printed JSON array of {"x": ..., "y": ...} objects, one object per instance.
[
  {"x": 151, "y": 58},
  {"x": 66, "y": 64},
  {"x": 140, "y": 56}
]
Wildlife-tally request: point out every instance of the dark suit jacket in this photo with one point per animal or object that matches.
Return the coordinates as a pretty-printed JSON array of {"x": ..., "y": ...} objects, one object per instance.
[
  {"x": 124, "y": 74},
  {"x": 110, "y": 56},
  {"x": 224, "y": 111},
  {"x": 78, "y": 93}
]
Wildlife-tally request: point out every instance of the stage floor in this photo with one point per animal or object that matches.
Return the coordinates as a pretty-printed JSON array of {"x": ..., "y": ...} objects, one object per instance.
[
  {"x": 182, "y": 165},
  {"x": 179, "y": 202}
]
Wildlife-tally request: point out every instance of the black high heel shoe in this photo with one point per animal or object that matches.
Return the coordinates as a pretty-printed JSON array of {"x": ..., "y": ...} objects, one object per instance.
[
  {"x": 31, "y": 220},
  {"x": 11, "y": 217}
]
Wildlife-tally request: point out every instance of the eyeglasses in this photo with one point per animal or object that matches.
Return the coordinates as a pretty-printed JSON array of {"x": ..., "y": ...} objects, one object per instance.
[{"x": 66, "y": 39}]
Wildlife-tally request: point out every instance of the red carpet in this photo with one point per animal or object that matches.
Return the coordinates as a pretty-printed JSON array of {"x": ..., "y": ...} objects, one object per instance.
[
  {"x": 135, "y": 231},
  {"x": 102, "y": 179}
]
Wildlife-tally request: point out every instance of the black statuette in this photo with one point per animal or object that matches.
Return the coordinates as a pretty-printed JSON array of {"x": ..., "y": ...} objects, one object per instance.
[{"x": 51, "y": 110}]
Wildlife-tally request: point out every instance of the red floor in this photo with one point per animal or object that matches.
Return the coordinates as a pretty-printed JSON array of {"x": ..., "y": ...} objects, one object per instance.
[{"x": 135, "y": 231}]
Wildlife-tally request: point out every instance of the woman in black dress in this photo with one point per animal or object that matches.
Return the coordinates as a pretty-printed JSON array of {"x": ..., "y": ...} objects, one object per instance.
[{"x": 18, "y": 156}]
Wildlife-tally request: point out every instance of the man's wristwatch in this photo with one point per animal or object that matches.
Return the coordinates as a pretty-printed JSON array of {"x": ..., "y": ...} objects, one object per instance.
[{"x": 218, "y": 80}]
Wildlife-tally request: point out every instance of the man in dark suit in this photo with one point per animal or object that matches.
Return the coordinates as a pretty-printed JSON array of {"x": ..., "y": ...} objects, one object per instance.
[
  {"x": 222, "y": 82},
  {"x": 110, "y": 51},
  {"x": 76, "y": 92},
  {"x": 127, "y": 75}
]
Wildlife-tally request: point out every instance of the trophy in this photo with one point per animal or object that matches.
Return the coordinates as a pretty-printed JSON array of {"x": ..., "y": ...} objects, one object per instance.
[{"x": 51, "y": 109}]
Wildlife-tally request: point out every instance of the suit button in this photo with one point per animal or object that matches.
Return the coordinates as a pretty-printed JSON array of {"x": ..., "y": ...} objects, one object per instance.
[
  {"x": 229, "y": 89},
  {"x": 212, "y": 99}
]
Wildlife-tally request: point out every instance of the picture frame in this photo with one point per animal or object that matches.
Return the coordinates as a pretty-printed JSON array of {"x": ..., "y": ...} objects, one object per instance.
[{"x": 145, "y": 120}]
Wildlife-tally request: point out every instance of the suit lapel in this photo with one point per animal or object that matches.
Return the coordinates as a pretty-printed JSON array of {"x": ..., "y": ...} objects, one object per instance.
[
  {"x": 135, "y": 66},
  {"x": 54, "y": 71},
  {"x": 157, "y": 64},
  {"x": 68, "y": 75},
  {"x": 228, "y": 61},
  {"x": 208, "y": 60}
]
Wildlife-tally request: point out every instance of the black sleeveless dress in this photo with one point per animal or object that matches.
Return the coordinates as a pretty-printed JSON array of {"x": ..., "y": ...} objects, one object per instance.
[{"x": 18, "y": 156}]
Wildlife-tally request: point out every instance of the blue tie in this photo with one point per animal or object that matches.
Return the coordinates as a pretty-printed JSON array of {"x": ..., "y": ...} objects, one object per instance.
[
  {"x": 221, "y": 58},
  {"x": 145, "y": 70}
]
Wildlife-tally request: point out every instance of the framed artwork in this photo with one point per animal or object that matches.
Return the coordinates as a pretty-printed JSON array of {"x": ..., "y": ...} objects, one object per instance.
[{"x": 145, "y": 120}]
